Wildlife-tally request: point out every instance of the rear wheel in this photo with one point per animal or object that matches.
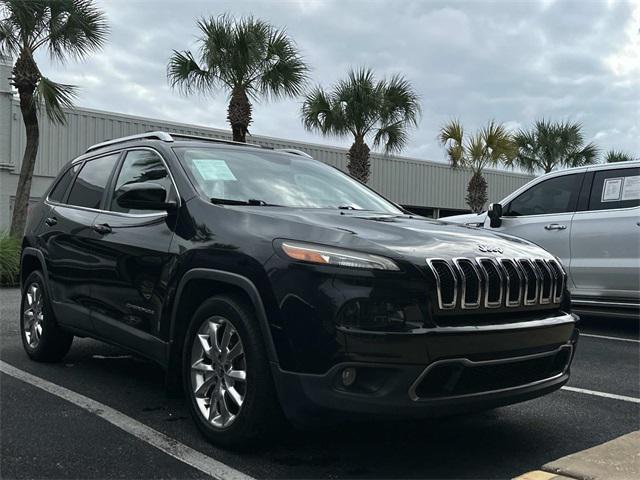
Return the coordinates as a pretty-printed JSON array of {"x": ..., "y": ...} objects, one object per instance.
[
  {"x": 42, "y": 338},
  {"x": 227, "y": 375}
]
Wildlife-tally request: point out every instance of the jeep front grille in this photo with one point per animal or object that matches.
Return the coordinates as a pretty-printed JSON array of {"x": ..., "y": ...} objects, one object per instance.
[{"x": 471, "y": 283}]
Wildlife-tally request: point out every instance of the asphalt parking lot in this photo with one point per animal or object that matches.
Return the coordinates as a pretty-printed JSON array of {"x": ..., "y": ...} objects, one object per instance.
[{"x": 44, "y": 436}]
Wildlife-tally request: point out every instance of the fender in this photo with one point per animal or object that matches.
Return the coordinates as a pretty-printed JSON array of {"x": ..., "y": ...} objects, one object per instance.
[
  {"x": 231, "y": 279},
  {"x": 34, "y": 252}
]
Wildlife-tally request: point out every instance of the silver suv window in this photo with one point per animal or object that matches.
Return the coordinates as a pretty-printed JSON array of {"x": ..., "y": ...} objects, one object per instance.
[
  {"x": 556, "y": 195},
  {"x": 619, "y": 188}
]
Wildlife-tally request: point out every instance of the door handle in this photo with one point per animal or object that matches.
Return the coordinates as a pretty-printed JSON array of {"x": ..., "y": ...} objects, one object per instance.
[
  {"x": 51, "y": 221},
  {"x": 102, "y": 228},
  {"x": 555, "y": 226}
]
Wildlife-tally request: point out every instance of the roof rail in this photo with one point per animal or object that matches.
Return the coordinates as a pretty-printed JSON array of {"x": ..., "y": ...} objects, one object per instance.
[
  {"x": 170, "y": 137},
  {"x": 165, "y": 137},
  {"x": 217, "y": 140},
  {"x": 294, "y": 152}
]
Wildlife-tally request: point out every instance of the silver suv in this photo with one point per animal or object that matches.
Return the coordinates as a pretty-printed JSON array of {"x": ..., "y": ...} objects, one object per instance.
[{"x": 589, "y": 217}]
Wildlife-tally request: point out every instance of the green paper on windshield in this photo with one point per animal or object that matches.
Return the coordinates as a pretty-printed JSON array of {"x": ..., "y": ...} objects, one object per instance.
[{"x": 214, "y": 169}]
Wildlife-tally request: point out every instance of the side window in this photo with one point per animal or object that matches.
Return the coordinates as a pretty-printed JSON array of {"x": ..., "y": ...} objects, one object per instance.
[
  {"x": 619, "y": 188},
  {"x": 90, "y": 183},
  {"x": 556, "y": 195},
  {"x": 140, "y": 166},
  {"x": 58, "y": 192}
]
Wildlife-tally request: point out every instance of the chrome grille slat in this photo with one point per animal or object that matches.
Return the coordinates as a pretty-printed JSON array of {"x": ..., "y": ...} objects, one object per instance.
[
  {"x": 546, "y": 288},
  {"x": 559, "y": 276},
  {"x": 512, "y": 281},
  {"x": 439, "y": 275},
  {"x": 487, "y": 282},
  {"x": 532, "y": 284},
  {"x": 470, "y": 280}
]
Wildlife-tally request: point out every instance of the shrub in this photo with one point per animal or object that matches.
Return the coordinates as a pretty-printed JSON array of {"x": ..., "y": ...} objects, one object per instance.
[{"x": 9, "y": 260}]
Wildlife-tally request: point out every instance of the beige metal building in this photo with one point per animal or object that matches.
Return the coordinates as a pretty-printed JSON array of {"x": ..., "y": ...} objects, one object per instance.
[{"x": 426, "y": 187}]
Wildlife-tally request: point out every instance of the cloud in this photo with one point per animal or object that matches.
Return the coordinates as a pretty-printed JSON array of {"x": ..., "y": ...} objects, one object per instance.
[{"x": 509, "y": 61}]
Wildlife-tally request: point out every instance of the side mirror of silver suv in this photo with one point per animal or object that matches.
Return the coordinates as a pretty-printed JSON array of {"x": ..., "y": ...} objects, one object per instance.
[{"x": 494, "y": 213}]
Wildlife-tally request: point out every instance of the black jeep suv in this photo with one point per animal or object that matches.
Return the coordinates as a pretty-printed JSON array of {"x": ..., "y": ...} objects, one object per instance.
[{"x": 269, "y": 283}]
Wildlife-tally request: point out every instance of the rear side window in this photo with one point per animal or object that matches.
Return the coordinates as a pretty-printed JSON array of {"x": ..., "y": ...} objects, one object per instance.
[
  {"x": 140, "y": 166},
  {"x": 58, "y": 192},
  {"x": 90, "y": 183},
  {"x": 556, "y": 195},
  {"x": 619, "y": 188}
]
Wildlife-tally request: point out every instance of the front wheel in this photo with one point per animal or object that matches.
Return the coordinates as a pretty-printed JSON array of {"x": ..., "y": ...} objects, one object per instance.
[
  {"x": 42, "y": 338},
  {"x": 226, "y": 374}
]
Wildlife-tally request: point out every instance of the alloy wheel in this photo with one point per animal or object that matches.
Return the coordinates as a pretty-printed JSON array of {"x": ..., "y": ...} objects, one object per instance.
[
  {"x": 218, "y": 371},
  {"x": 33, "y": 315}
]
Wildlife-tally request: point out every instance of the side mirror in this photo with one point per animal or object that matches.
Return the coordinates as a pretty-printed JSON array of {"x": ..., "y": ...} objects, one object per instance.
[
  {"x": 144, "y": 196},
  {"x": 494, "y": 213}
]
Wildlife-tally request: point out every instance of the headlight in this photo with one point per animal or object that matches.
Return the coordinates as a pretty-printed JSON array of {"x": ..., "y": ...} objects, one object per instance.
[{"x": 308, "y": 252}]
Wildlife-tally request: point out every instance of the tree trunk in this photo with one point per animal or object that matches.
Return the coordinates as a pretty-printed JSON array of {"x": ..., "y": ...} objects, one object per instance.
[
  {"x": 359, "y": 165},
  {"x": 477, "y": 192},
  {"x": 25, "y": 79},
  {"x": 239, "y": 114}
]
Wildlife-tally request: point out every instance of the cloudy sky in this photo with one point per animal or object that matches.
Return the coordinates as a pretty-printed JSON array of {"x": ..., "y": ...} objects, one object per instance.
[{"x": 513, "y": 60}]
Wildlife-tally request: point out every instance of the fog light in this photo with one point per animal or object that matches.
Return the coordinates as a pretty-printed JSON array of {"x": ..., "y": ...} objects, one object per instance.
[{"x": 348, "y": 376}]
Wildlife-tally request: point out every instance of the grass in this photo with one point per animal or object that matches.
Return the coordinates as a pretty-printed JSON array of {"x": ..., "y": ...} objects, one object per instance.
[{"x": 9, "y": 260}]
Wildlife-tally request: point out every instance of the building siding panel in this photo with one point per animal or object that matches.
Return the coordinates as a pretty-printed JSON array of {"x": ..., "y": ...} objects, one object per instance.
[{"x": 404, "y": 180}]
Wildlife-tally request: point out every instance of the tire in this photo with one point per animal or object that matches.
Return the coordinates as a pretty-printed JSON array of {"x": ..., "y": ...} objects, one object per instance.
[
  {"x": 42, "y": 338},
  {"x": 245, "y": 406}
]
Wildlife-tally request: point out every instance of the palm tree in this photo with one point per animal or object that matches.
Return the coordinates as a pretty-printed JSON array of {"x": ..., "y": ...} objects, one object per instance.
[
  {"x": 248, "y": 57},
  {"x": 362, "y": 107},
  {"x": 614, "y": 156},
  {"x": 65, "y": 28},
  {"x": 488, "y": 147},
  {"x": 553, "y": 145}
]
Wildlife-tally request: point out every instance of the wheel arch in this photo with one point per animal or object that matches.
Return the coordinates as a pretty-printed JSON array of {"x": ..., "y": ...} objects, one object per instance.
[
  {"x": 214, "y": 282},
  {"x": 31, "y": 260}
]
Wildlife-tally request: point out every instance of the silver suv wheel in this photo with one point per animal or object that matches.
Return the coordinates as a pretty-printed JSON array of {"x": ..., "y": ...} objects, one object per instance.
[
  {"x": 218, "y": 371},
  {"x": 33, "y": 315}
]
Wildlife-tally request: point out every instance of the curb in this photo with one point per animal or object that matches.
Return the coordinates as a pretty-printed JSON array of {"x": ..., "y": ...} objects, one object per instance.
[
  {"x": 542, "y": 475},
  {"x": 618, "y": 459}
]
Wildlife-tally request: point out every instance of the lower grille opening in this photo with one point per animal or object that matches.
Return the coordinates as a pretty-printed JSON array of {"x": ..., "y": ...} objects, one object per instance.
[{"x": 457, "y": 378}]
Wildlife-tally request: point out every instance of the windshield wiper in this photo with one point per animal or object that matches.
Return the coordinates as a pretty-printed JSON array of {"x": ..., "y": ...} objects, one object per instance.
[{"x": 251, "y": 201}]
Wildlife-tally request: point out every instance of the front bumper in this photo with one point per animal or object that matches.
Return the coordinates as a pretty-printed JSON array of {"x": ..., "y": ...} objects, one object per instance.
[{"x": 466, "y": 370}]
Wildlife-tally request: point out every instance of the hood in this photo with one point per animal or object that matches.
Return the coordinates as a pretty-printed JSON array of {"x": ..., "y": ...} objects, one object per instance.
[
  {"x": 408, "y": 235},
  {"x": 466, "y": 218}
]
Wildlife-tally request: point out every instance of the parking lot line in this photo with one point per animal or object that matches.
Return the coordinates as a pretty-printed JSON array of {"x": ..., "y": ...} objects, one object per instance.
[
  {"x": 610, "y": 338},
  {"x": 602, "y": 394},
  {"x": 159, "y": 440}
]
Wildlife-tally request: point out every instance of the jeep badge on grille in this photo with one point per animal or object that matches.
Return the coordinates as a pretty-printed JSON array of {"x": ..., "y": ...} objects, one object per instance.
[{"x": 489, "y": 249}]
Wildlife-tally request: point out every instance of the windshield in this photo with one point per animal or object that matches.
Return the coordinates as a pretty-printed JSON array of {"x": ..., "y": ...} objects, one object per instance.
[{"x": 262, "y": 177}]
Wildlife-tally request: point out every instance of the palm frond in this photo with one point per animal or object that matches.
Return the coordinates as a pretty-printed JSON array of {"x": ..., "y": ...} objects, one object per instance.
[
  {"x": 550, "y": 145},
  {"x": 451, "y": 136},
  {"x": 401, "y": 101},
  {"x": 284, "y": 72},
  {"x": 614, "y": 156},
  {"x": 54, "y": 97},
  {"x": 9, "y": 41},
  {"x": 321, "y": 114},
  {"x": 185, "y": 74},
  {"x": 451, "y": 132},
  {"x": 392, "y": 138},
  {"x": 587, "y": 155},
  {"x": 73, "y": 29}
]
